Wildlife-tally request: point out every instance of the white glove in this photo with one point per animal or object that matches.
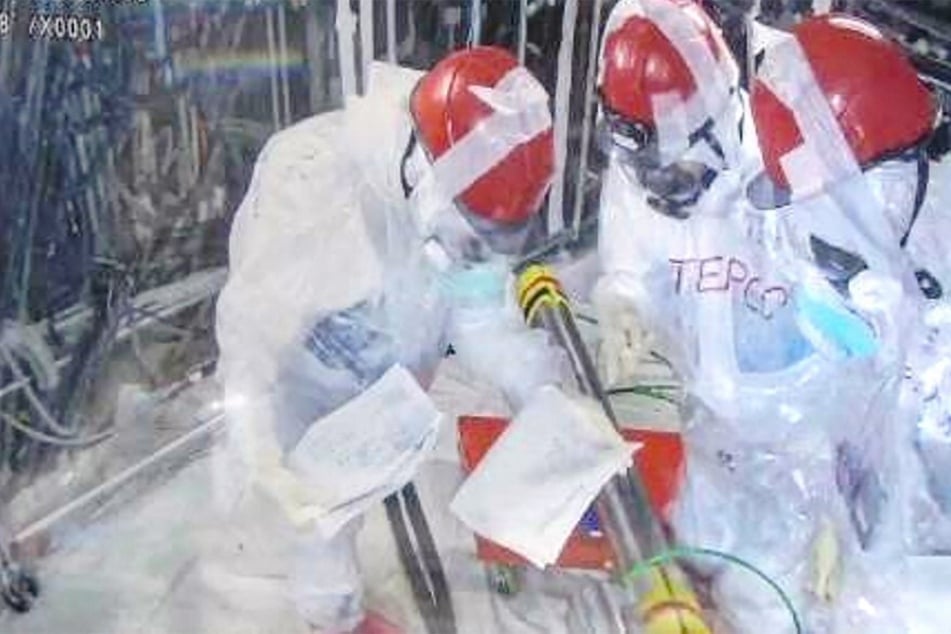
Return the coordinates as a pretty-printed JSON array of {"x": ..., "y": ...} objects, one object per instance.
[
  {"x": 296, "y": 500},
  {"x": 827, "y": 559},
  {"x": 499, "y": 348},
  {"x": 254, "y": 457},
  {"x": 623, "y": 338}
]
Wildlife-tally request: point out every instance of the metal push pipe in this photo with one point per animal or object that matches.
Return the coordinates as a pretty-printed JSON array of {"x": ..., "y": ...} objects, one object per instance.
[{"x": 667, "y": 603}]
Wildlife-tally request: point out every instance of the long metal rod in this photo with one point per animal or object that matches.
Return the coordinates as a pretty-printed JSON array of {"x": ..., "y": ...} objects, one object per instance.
[
  {"x": 630, "y": 524},
  {"x": 556, "y": 215},
  {"x": 475, "y": 23},
  {"x": 522, "y": 30},
  {"x": 391, "y": 31},
  {"x": 588, "y": 114},
  {"x": 420, "y": 559},
  {"x": 284, "y": 67},
  {"x": 315, "y": 48},
  {"x": 188, "y": 440},
  {"x": 366, "y": 43},
  {"x": 345, "y": 25},
  {"x": 625, "y": 497},
  {"x": 272, "y": 64}
]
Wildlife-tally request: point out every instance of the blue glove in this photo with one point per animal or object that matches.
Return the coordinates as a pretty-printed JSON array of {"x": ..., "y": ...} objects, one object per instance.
[
  {"x": 835, "y": 326},
  {"x": 341, "y": 355}
]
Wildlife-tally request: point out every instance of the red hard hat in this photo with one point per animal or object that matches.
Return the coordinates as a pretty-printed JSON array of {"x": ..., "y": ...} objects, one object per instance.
[
  {"x": 638, "y": 62},
  {"x": 444, "y": 110},
  {"x": 875, "y": 94}
]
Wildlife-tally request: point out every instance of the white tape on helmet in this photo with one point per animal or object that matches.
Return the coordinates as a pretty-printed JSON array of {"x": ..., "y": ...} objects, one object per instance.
[
  {"x": 714, "y": 80},
  {"x": 520, "y": 114},
  {"x": 835, "y": 200},
  {"x": 824, "y": 157}
]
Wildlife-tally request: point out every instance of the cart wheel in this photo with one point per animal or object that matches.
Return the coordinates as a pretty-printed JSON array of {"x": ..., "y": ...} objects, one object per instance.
[
  {"x": 505, "y": 580},
  {"x": 21, "y": 590}
]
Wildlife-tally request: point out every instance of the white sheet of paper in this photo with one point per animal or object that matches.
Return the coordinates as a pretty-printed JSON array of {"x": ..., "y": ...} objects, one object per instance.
[
  {"x": 368, "y": 448},
  {"x": 531, "y": 489}
]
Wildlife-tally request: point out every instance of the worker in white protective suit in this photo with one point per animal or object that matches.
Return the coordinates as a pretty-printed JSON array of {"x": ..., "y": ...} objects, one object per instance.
[
  {"x": 364, "y": 234},
  {"x": 926, "y": 472},
  {"x": 678, "y": 270},
  {"x": 714, "y": 286},
  {"x": 927, "y": 486},
  {"x": 671, "y": 124},
  {"x": 846, "y": 173}
]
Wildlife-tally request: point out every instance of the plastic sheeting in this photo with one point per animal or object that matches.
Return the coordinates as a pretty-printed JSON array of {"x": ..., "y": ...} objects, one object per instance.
[
  {"x": 792, "y": 420},
  {"x": 153, "y": 566}
]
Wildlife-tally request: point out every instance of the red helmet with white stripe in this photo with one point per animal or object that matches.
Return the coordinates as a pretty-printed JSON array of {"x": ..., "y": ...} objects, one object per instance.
[
  {"x": 639, "y": 63},
  {"x": 880, "y": 104},
  {"x": 445, "y": 109}
]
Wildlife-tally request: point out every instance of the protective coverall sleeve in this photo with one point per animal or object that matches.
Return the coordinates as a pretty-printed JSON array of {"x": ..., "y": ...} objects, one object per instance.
[
  {"x": 298, "y": 221},
  {"x": 632, "y": 245}
]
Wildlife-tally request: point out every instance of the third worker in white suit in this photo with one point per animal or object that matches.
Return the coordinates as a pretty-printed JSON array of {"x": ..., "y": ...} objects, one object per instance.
[
  {"x": 847, "y": 172},
  {"x": 686, "y": 262}
]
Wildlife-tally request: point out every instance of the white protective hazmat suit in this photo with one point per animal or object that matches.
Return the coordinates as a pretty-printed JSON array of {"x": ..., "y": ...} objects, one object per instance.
[
  {"x": 770, "y": 418},
  {"x": 927, "y": 488},
  {"x": 330, "y": 288}
]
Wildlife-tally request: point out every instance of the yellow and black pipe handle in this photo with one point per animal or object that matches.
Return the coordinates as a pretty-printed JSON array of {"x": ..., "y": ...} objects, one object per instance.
[{"x": 538, "y": 287}]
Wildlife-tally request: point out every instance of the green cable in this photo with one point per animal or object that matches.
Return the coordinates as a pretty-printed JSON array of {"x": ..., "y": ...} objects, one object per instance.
[
  {"x": 681, "y": 553},
  {"x": 658, "y": 392},
  {"x": 653, "y": 387}
]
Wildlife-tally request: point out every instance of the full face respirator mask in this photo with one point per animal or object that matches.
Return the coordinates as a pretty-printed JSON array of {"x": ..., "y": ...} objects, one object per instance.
[{"x": 673, "y": 189}]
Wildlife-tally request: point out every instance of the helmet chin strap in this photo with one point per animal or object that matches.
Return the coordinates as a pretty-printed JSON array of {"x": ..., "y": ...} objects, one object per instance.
[
  {"x": 930, "y": 286},
  {"x": 408, "y": 179},
  {"x": 924, "y": 175}
]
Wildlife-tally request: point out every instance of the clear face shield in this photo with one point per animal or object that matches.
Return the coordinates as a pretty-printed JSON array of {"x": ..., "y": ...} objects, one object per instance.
[
  {"x": 839, "y": 228},
  {"x": 454, "y": 234},
  {"x": 464, "y": 236},
  {"x": 894, "y": 188}
]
